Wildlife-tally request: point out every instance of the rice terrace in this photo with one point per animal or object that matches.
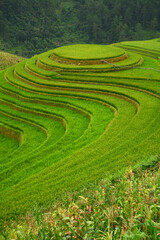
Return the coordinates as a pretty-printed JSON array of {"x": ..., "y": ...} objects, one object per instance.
[{"x": 75, "y": 115}]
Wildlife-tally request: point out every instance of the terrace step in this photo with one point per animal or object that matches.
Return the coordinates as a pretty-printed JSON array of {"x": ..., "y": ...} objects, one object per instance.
[
  {"x": 46, "y": 63},
  {"x": 10, "y": 132},
  {"x": 62, "y": 60}
]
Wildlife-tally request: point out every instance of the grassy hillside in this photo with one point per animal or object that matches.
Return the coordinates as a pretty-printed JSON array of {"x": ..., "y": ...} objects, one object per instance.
[
  {"x": 123, "y": 208},
  {"x": 68, "y": 120},
  {"x": 7, "y": 60}
]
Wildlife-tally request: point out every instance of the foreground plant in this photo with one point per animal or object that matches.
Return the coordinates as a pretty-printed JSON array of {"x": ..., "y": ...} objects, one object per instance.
[
  {"x": 126, "y": 208},
  {"x": 7, "y": 60}
]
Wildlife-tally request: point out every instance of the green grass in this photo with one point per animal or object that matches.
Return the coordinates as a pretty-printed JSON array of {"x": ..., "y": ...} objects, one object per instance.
[
  {"x": 125, "y": 208},
  {"x": 45, "y": 62},
  {"x": 77, "y": 126},
  {"x": 149, "y": 45},
  {"x": 88, "y": 52},
  {"x": 31, "y": 66},
  {"x": 150, "y": 48},
  {"x": 8, "y": 145}
]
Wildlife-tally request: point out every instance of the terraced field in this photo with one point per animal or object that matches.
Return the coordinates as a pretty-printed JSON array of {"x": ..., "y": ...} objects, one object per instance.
[{"x": 75, "y": 115}]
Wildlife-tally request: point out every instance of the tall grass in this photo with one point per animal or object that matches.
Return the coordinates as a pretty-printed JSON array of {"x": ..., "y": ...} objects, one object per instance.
[
  {"x": 126, "y": 207},
  {"x": 7, "y": 60}
]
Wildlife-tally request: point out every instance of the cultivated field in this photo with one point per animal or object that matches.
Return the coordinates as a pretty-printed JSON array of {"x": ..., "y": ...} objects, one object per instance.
[{"x": 75, "y": 115}]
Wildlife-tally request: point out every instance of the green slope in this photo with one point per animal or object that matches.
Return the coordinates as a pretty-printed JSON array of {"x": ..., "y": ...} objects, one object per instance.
[
  {"x": 7, "y": 60},
  {"x": 67, "y": 124}
]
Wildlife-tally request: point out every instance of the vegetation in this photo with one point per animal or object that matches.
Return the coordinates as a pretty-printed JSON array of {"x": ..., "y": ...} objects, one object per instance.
[
  {"x": 88, "y": 52},
  {"x": 7, "y": 60},
  {"x": 71, "y": 121},
  {"x": 44, "y": 59},
  {"x": 126, "y": 207},
  {"x": 151, "y": 45},
  {"x": 31, "y": 28}
]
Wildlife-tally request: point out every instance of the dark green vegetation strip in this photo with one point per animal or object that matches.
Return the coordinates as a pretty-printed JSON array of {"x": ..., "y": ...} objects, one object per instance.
[
  {"x": 76, "y": 127},
  {"x": 56, "y": 23}
]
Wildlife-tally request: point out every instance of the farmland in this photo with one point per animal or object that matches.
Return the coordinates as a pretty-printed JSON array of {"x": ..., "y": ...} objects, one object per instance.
[{"x": 75, "y": 115}]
